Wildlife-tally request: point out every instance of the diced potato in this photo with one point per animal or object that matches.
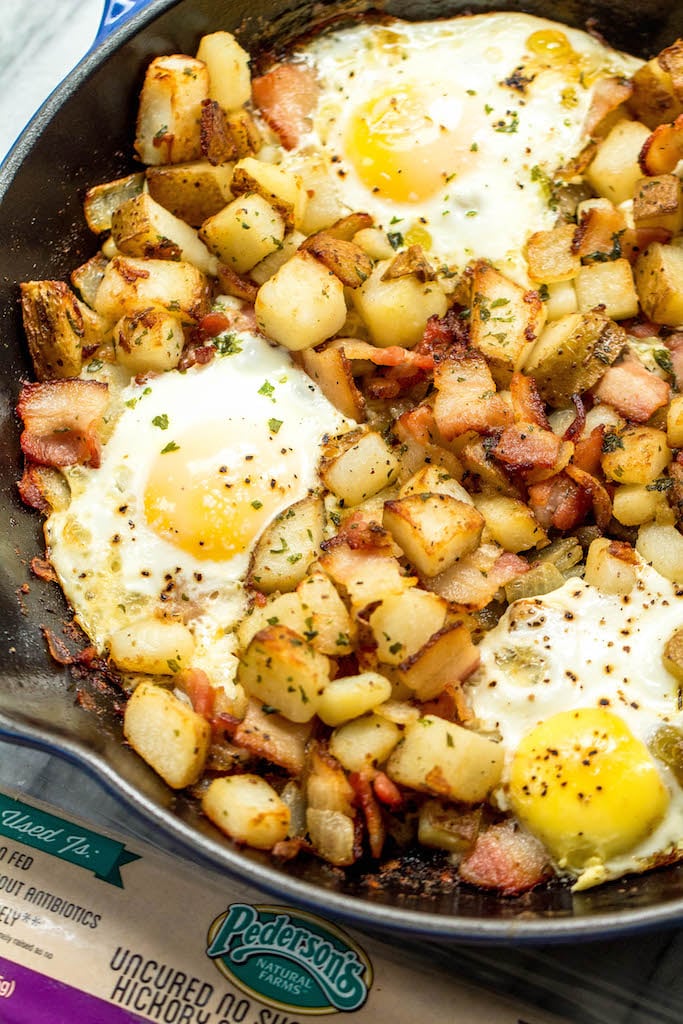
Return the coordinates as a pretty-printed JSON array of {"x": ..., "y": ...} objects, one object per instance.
[
  {"x": 352, "y": 696},
  {"x": 302, "y": 304},
  {"x": 155, "y": 646},
  {"x": 674, "y": 422},
  {"x": 433, "y": 530},
  {"x": 435, "y": 480},
  {"x": 611, "y": 566},
  {"x": 635, "y": 504},
  {"x": 228, "y": 66},
  {"x": 167, "y": 734},
  {"x": 331, "y": 370},
  {"x": 443, "y": 759},
  {"x": 247, "y": 809},
  {"x": 151, "y": 340},
  {"x": 638, "y": 456},
  {"x": 169, "y": 110},
  {"x": 615, "y": 170},
  {"x": 395, "y": 312},
  {"x": 375, "y": 243},
  {"x": 244, "y": 232},
  {"x": 327, "y": 623},
  {"x": 271, "y": 264},
  {"x": 281, "y": 669},
  {"x": 447, "y": 657},
  {"x": 288, "y": 545},
  {"x": 279, "y": 610},
  {"x": 658, "y": 203},
  {"x": 364, "y": 742},
  {"x": 130, "y": 285},
  {"x": 561, "y": 300},
  {"x": 511, "y": 523},
  {"x": 142, "y": 227},
  {"x": 357, "y": 465},
  {"x": 551, "y": 254},
  {"x": 57, "y": 326},
  {"x": 403, "y": 623},
  {"x": 657, "y": 95},
  {"x": 662, "y": 546},
  {"x": 101, "y": 201},
  {"x": 191, "y": 191},
  {"x": 283, "y": 189},
  {"x": 609, "y": 285},
  {"x": 505, "y": 318},
  {"x": 365, "y": 576},
  {"x": 659, "y": 280}
]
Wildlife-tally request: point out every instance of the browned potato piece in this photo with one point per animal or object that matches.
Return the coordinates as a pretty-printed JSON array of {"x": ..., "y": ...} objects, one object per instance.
[
  {"x": 168, "y": 114},
  {"x": 247, "y": 809},
  {"x": 228, "y": 67},
  {"x": 511, "y": 523},
  {"x": 130, "y": 284},
  {"x": 149, "y": 340},
  {"x": 658, "y": 203},
  {"x": 447, "y": 657},
  {"x": 287, "y": 546},
  {"x": 615, "y": 169},
  {"x": 433, "y": 530},
  {"x": 167, "y": 734},
  {"x": 505, "y": 318},
  {"x": 552, "y": 256},
  {"x": 611, "y": 566},
  {"x": 658, "y": 87},
  {"x": 395, "y": 312},
  {"x": 637, "y": 455},
  {"x": 608, "y": 285},
  {"x": 659, "y": 280},
  {"x": 331, "y": 370},
  {"x": 192, "y": 191},
  {"x": 283, "y": 189},
  {"x": 102, "y": 200},
  {"x": 302, "y": 304},
  {"x": 244, "y": 232},
  {"x": 57, "y": 326},
  {"x": 142, "y": 227},
  {"x": 357, "y": 465},
  {"x": 345, "y": 259},
  {"x": 403, "y": 623},
  {"x": 281, "y": 669}
]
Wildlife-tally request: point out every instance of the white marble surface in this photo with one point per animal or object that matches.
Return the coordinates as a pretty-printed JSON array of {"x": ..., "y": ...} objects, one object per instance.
[{"x": 40, "y": 41}]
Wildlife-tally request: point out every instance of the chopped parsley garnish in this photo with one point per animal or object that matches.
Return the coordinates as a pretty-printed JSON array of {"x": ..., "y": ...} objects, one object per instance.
[
  {"x": 161, "y": 421},
  {"x": 170, "y": 447},
  {"x": 274, "y": 425}
]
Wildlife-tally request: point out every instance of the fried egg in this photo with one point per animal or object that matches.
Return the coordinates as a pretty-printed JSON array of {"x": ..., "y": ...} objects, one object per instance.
[
  {"x": 574, "y": 685},
  {"x": 449, "y": 132},
  {"x": 198, "y": 463}
]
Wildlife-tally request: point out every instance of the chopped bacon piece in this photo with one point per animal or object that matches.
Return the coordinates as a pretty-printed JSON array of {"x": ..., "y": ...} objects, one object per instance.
[
  {"x": 365, "y": 799},
  {"x": 442, "y": 333},
  {"x": 527, "y": 404},
  {"x": 636, "y": 240},
  {"x": 662, "y": 149},
  {"x": 575, "y": 428},
  {"x": 466, "y": 397},
  {"x": 450, "y": 704},
  {"x": 588, "y": 451},
  {"x": 608, "y": 94},
  {"x": 386, "y": 791},
  {"x": 474, "y": 580},
  {"x": 418, "y": 425},
  {"x": 31, "y": 490},
  {"x": 196, "y": 355},
  {"x": 286, "y": 95},
  {"x": 559, "y": 502},
  {"x": 506, "y": 859},
  {"x": 601, "y": 501},
  {"x": 272, "y": 737},
  {"x": 197, "y": 685},
  {"x": 634, "y": 391},
  {"x": 61, "y": 418},
  {"x": 218, "y": 145},
  {"x": 524, "y": 446},
  {"x": 213, "y": 324}
]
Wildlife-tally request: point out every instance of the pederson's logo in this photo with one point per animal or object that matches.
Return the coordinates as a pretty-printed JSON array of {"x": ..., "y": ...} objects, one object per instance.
[{"x": 290, "y": 959}]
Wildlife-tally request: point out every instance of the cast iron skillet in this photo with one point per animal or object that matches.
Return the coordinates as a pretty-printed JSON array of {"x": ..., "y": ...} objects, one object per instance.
[{"x": 83, "y": 135}]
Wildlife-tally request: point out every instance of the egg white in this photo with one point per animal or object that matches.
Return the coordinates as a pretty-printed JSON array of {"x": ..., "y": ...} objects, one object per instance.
[
  {"x": 578, "y": 648},
  {"x": 114, "y": 567},
  {"x": 502, "y": 142}
]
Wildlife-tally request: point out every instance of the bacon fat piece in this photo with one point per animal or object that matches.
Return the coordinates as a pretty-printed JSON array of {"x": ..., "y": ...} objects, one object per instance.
[{"x": 61, "y": 420}]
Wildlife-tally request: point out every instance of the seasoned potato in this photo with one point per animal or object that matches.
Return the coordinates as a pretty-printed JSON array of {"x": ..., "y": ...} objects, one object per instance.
[
  {"x": 435, "y": 480},
  {"x": 637, "y": 455},
  {"x": 168, "y": 114},
  {"x": 505, "y": 318},
  {"x": 608, "y": 285},
  {"x": 349, "y": 697},
  {"x": 635, "y": 504},
  {"x": 327, "y": 623},
  {"x": 130, "y": 285},
  {"x": 288, "y": 545},
  {"x": 278, "y": 610},
  {"x": 443, "y": 759},
  {"x": 674, "y": 422},
  {"x": 281, "y": 669},
  {"x": 511, "y": 523},
  {"x": 283, "y": 190},
  {"x": 447, "y": 657},
  {"x": 57, "y": 326},
  {"x": 302, "y": 304},
  {"x": 403, "y": 623},
  {"x": 658, "y": 203},
  {"x": 662, "y": 546},
  {"x": 167, "y": 734},
  {"x": 615, "y": 170},
  {"x": 228, "y": 67},
  {"x": 247, "y": 809},
  {"x": 156, "y": 646},
  {"x": 658, "y": 275},
  {"x": 552, "y": 256},
  {"x": 657, "y": 93},
  {"x": 151, "y": 340},
  {"x": 433, "y": 530},
  {"x": 357, "y": 465},
  {"x": 395, "y": 312},
  {"x": 364, "y": 742},
  {"x": 142, "y": 227},
  {"x": 611, "y": 566},
  {"x": 244, "y": 232},
  {"x": 192, "y": 191},
  {"x": 331, "y": 370}
]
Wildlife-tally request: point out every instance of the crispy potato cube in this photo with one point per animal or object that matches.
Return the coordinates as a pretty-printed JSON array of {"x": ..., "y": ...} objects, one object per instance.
[
  {"x": 611, "y": 566},
  {"x": 505, "y": 318},
  {"x": 57, "y": 326},
  {"x": 102, "y": 200},
  {"x": 658, "y": 87},
  {"x": 403, "y": 623},
  {"x": 244, "y": 232},
  {"x": 364, "y": 742},
  {"x": 552, "y": 256},
  {"x": 658, "y": 275},
  {"x": 280, "y": 668},
  {"x": 268, "y": 267},
  {"x": 167, "y": 734},
  {"x": 156, "y": 646},
  {"x": 130, "y": 284},
  {"x": 357, "y": 465},
  {"x": 658, "y": 203},
  {"x": 365, "y": 576},
  {"x": 247, "y": 809},
  {"x": 192, "y": 191},
  {"x": 228, "y": 66},
  {"x": 331, "y": 370},
  {"x": 168, "y": 115},
  {"x": 445, "y": 827},
  {"x": 433, "y": 530},
  {"x": 151, "y": 340},
  {"x": 635, "y": 504},
  {"x": 448, "y": 656},
  {"x": 662, "y": 546},
  {"x": 435, "y": 480},
  {"x": 283, "y": 189},
  {"x": 443, "y": 759},
  {"x": 674, "y": 422},
  {"x": 288, "y": 545},
  {"x": 302, "y": 304},
  {"x": 279, "y": 610},
  {"x": 395, "y": 312},
  {"x": 142, "y": 227},
  {"x": 345, "y": 259},
  {"x": 638, "y": 456},
  {"x": 327, "y": 623},
  {"x": 511, "y": 523},
  {"x": 615, "y": 171},
  {"x": 352, "y": 696},
  {"x": 608, "y": 285}
]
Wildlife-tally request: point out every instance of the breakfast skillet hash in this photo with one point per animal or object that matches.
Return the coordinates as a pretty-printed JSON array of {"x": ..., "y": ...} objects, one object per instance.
[{"x": 360, "y": 445}]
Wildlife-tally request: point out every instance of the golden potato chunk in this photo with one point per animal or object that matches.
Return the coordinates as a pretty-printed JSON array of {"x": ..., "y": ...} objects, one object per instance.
[
  {"x": 615, "y": 170},
  {"x": 151, "y": 340},
  {"x": 357, "y": 465},
  {"x": 302, "y": 304},
  {"x": 433, "y": 530},
  {"x": 636, "y": 455},
  {"x": 167, "y": 734},
  {"x": 247, "y": 809},
  {"x": 168, "y": 113},
  {"x": 659, "y": 281},
  {"x": 609, "y": 286},
  {"x": 281, "y": 669},
  {"x": 244, "y": 232},
  {"x": 228, "y": 67}
]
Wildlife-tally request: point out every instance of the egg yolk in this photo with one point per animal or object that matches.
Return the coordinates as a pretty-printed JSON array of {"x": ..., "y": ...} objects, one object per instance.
[
  {"x": 585, "y": 785},
  {"x": 406, "y": 144},
  {"x": 206, "y": 495}
]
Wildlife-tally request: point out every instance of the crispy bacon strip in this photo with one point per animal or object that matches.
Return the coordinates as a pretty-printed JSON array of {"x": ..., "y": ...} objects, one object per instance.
[
  {"x": 466, "y": 396},
  {"x": 524, "y": 446},
  {"x": 634, "y": 391},
  {"x": 197, "y": 685},
  {"x": 61, "y": 418},
  {"x": 286, "y": 95},
  {"x": 527, "y": 404},
  {"x": 662, "y": 149},
  {"x": 365, "y": 799},
  {"x": 559, "y": 502},
  {"x": 474, "y": 580},
  {"x": 588, "y": 451},
  {"x": 506, "y": 859},
  {"x": 386, "y": 791}
]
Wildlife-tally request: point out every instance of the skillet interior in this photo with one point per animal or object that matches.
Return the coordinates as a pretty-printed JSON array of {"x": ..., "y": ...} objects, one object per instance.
[{"x": 83, "y": 135}]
